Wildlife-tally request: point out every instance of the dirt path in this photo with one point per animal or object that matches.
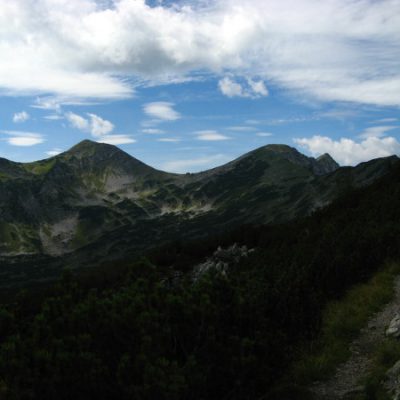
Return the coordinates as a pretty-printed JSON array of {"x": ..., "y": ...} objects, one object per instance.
[{"x": 346, "y": 381}]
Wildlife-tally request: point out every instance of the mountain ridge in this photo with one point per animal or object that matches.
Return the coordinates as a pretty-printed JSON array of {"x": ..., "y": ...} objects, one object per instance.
[{"x": 97, "y": 197}]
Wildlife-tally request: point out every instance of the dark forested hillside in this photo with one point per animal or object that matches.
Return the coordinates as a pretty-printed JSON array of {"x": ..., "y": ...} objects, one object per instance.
[{"x": 150, "y": 330}]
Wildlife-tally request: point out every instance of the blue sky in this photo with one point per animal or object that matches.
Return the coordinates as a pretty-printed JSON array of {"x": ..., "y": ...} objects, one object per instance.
[{"x": 188, "y": 85}]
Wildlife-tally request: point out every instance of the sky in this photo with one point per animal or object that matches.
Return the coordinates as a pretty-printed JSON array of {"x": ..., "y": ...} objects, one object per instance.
[{"x": 187, "y": 85}]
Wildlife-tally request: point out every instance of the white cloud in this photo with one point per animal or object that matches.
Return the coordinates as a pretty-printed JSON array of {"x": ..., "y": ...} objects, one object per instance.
[
  {"x": 161, "y": 110},
  {"x": 211, "y": 135},
  {"x": 253, "y": 122},
  {"x": 242, "y": 128},
  {"x": 250, "y": 88},
  {"x": 153, "y": 131},
  {"x": 195, "y": 164},
  {"x": 169, "y": 140},
  {"x": 77, "y": 121},
  {"x": 385, "y": 120},
  {"x": 258, "y": 88},
  {"x": 53, "y": 117},
  {"x": 376, "y": 131},
  {"x": 47, "y": 103},
  {"x": 264, "y": 134},
  {"x": 116, "y": 139},
  {"x": 23, "y": 139},
  {"x": 349, "y": 152},
  {"x": 54, "y": 152},
  {"x": 230, "y": 88},
  {"x": 96, "y": 125},
  {"x": 21, "y": 117},
  {"x": 335, "y": 50},
  {"x": 99, "y": 126}
]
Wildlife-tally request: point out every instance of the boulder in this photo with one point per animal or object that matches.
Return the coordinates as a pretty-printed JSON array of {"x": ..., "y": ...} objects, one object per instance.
[{"x": 394, "y": 327}]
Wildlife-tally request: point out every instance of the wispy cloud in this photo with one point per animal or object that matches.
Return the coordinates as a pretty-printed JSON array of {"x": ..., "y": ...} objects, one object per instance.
[
  {"x": 54, "y": 152},
  {"x": 94, "y": 124},
  {"x": 211, "y": 136},
  {"x": 385, "y": 120},
  {"x": 161, "y": 110},
  {"x": 78, "y": 121},
  {"x": 153, "y": 131},
  {"x": 248, "y": 88},
  {"x": 376, "y": 131},
  {"x": 242, "y": 128},
  {"x": 117, "y": 139},
  {"x": 21, "y": 117},
  {"x": 22, "y": 138},
  {"x": 100, "y": 128},
  {"x": 53, "y": 117},
  {"x": 169, "y": 140},
  {"x": 264, "y": 134}
]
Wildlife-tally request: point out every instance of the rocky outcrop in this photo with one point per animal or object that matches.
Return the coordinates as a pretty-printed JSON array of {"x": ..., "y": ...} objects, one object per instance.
[
  {"x": 221, "y": 260},
  {"x": 394, "y": 327},
  {"x": 325, "y": 164}
]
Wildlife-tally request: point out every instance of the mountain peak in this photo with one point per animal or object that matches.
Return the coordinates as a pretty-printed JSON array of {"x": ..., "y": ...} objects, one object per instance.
[
  {"x": 326, "y": 163},
  {"x": 87, "y": 147},
  {"x": 280, "y": 148},
  {"x": 97, "y": 155}
]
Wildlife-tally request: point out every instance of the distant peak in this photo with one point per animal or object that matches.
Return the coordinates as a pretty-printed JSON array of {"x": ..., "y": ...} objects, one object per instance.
[
  {"x": 101, "y": 154},
  {"x": 326, "y": 163},
  {"x": 89, "y": 147},
  {"x": 325, "y": 156}
]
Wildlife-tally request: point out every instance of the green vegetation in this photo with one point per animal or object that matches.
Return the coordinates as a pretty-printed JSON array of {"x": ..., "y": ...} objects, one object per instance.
[
  {"x": 17, "y": 237},
  {"x": 40, "y": 167},
  {"x": 341, "y": 323}
]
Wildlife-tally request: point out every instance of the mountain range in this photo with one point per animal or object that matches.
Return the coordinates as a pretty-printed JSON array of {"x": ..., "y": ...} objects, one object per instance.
[{"x": 96, "y": 201}]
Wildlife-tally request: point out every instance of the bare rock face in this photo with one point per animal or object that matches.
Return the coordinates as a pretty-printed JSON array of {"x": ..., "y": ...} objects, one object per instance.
[{"x": 394, "y": 327}]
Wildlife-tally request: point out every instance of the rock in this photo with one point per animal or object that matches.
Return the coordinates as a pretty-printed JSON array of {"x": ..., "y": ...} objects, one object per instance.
[
  {"x": 392, "y": 383},
  {"x": 221, "y": 260},
  {"x": 394, "y": 327}
]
